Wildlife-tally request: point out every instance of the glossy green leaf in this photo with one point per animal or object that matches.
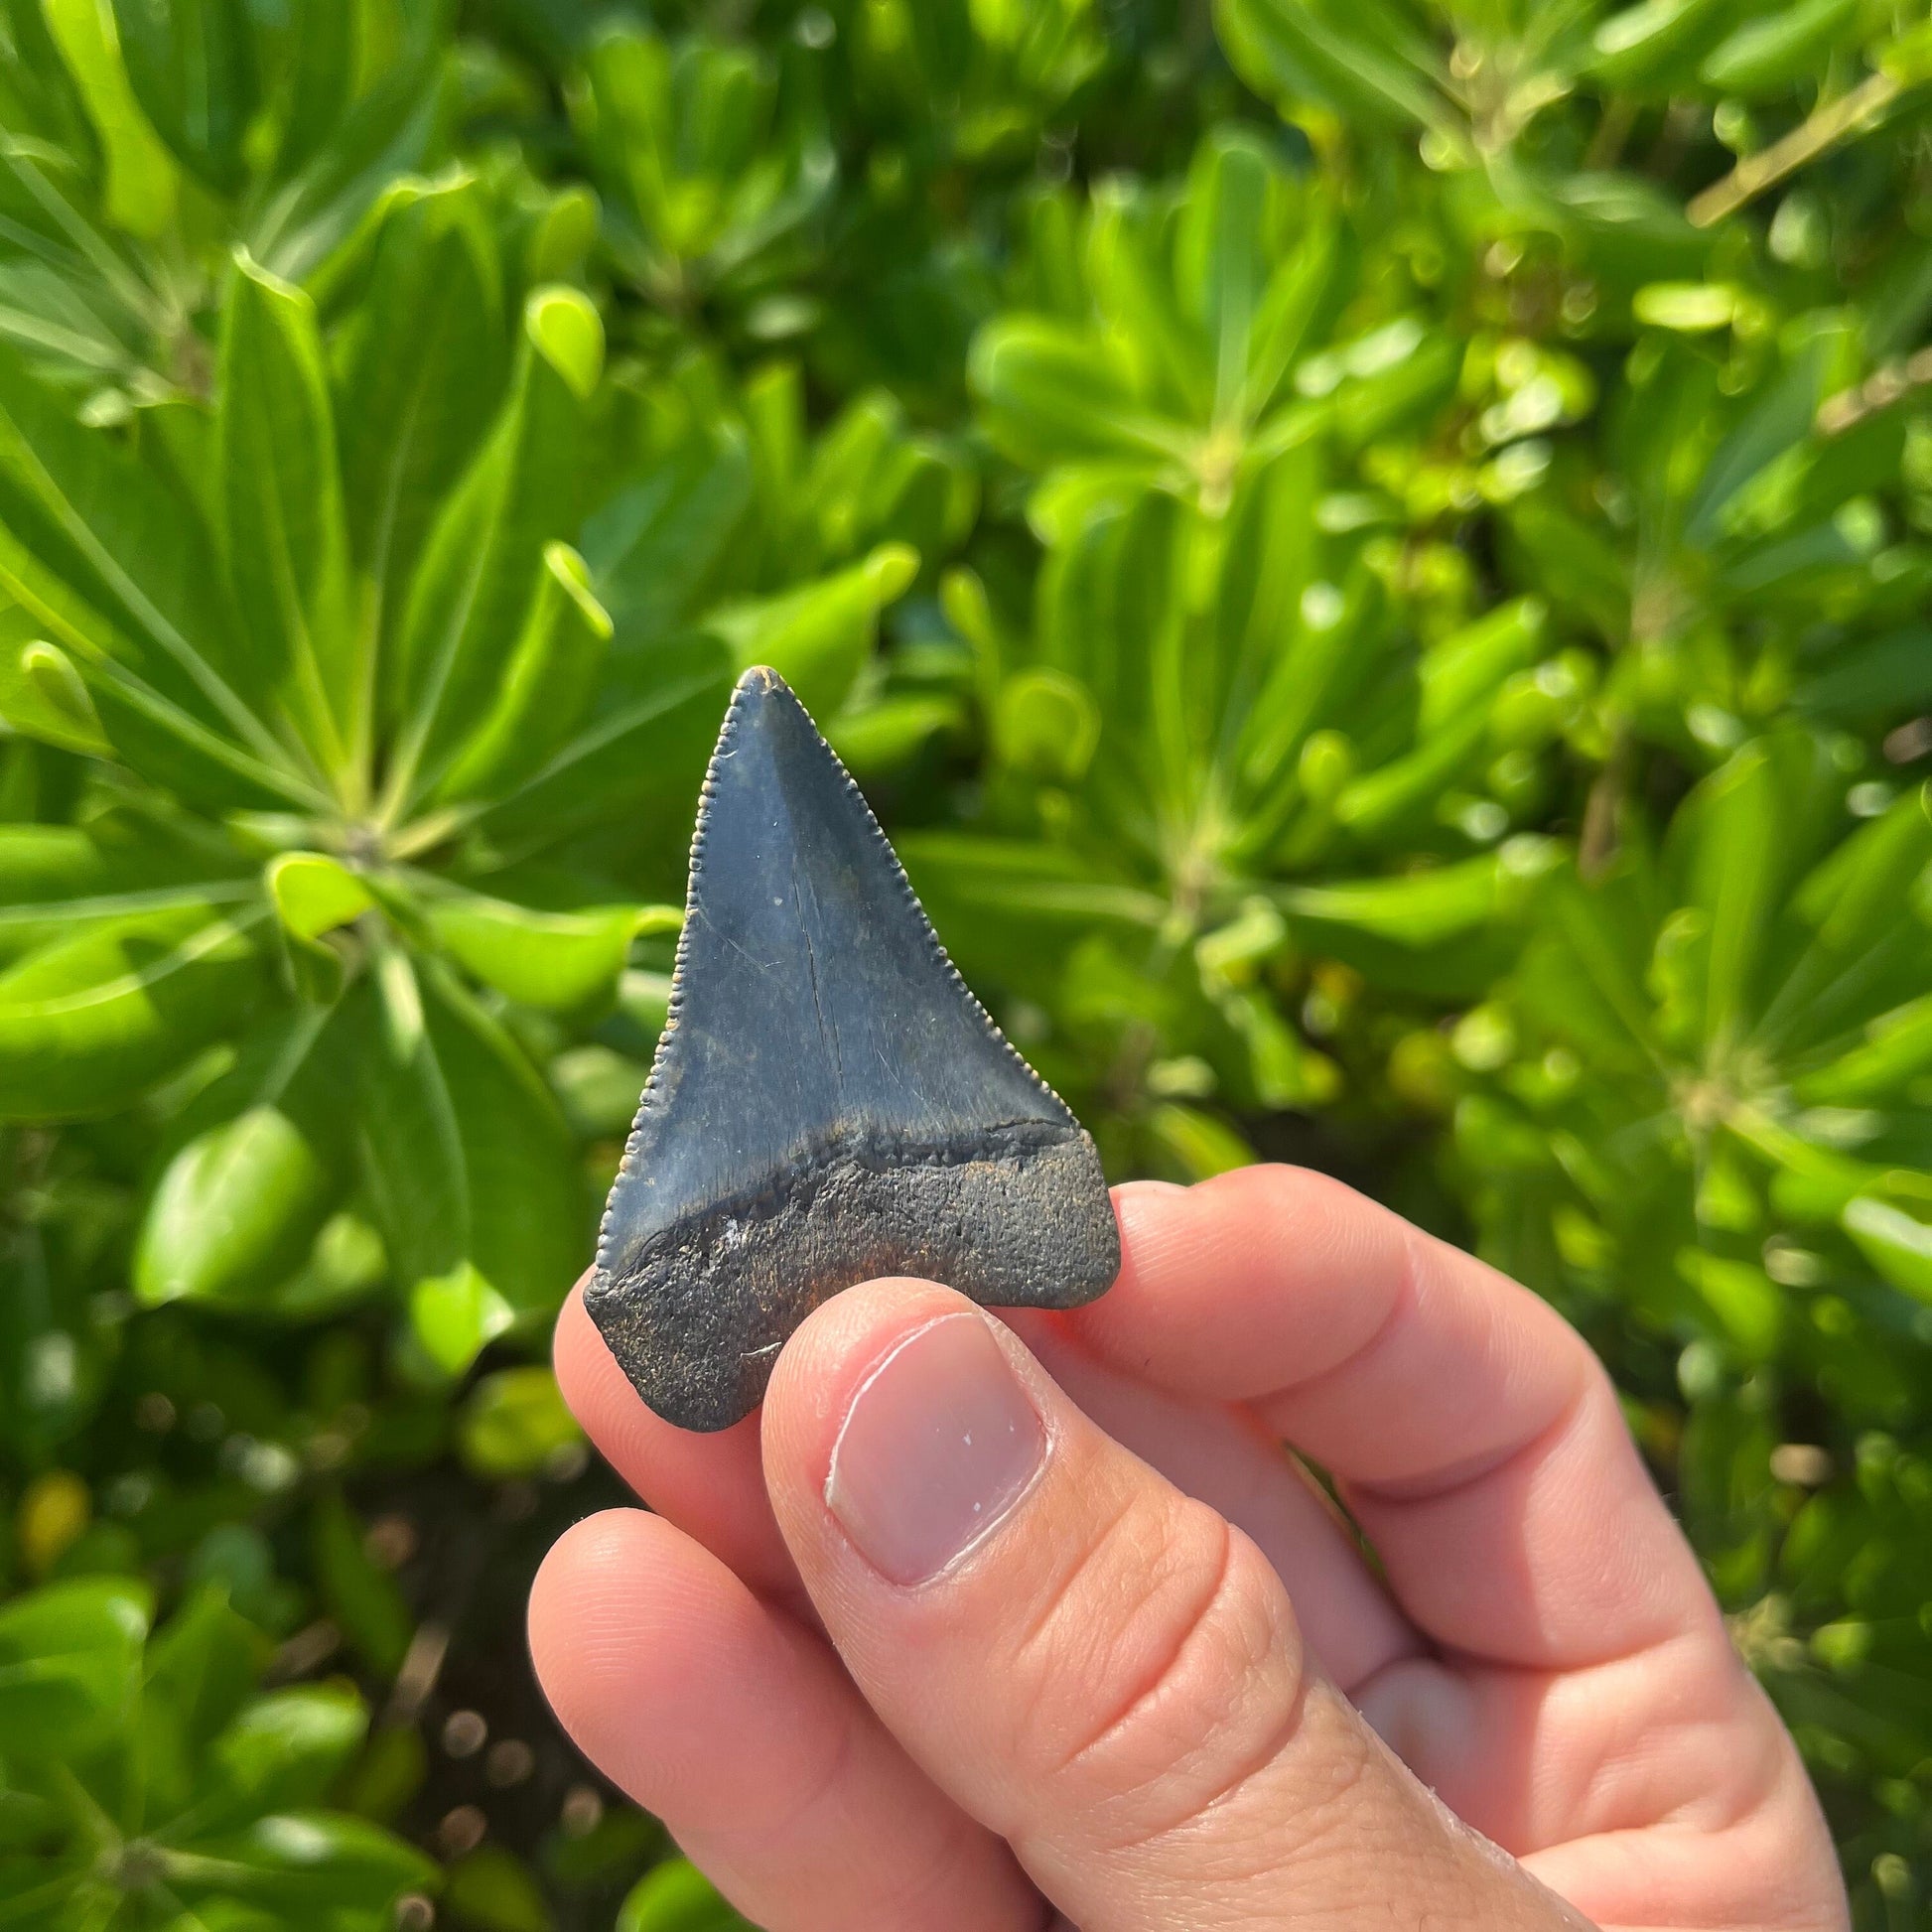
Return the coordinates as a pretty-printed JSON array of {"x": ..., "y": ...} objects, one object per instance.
[
  {"x": 547, "y": 684},
  {"x": 456, "y": 1316},
  {"x": 1766, "y": 56},
  {"x": 201, "y": 1670},
  {"x": 360, "y": 1595},
  {"x": 560, "y": 960},
  {"x": 43, "y": 696},
  {"x": 1418, "y": 910},
  {"x": 471, "y": 594},
  {"x": 141, "y": 185},
  {"x": 192, "y": 63},
  {"x": 676, "y": 1898},
  {"x": 1050, "y": 398},
  {"x": 69, "y": 1664},
  {"x": 313, "y": 893},
  {"x": 235, "y": 1211},
  {"x": 54, "y": 878},
  {"x": 1046, "y": 724},
  {"x": 818, "y": 636},
  {"x": 1897, "y": 1244},
  {"x": 283, "y": 530},
  {"x": 424, "y": 366},
  {"x": 88, "y": 1023},
  {"x": 286, "y": 1748},
  {"x": 107, "y": 541},
  {"x": 308, "y": 1860},
  {"x": 1362, "y": 60},
  {"x": 466, "y": 1154},
  {"x": 515, "y": 1423},
  {"x": 492, "y": 1889}
]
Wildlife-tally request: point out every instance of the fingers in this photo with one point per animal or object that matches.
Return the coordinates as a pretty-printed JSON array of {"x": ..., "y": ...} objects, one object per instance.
[
  {"x": 739, "y": 1729},
  {"x": 1096, "y": 1666},
  {"x": 1222, "y": 1455},
  {"x": 711, "y": 1487},
  {"x": 1475, "y": 1436}
]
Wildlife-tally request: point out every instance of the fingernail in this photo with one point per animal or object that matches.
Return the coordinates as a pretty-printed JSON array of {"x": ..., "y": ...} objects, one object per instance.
[{"x": 940, "y": 1443}]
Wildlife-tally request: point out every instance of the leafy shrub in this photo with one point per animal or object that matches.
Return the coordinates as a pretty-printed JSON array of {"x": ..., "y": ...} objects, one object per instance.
[{"x": 1373, "y": 556}]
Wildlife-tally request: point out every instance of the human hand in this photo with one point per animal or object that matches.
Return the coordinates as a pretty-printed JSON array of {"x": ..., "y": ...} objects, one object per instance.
[{"x": 959, "y": 1637}]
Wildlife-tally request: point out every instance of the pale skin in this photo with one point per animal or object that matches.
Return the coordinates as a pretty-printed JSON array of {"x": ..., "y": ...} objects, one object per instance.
[{"x": 1152, "y": 1689}]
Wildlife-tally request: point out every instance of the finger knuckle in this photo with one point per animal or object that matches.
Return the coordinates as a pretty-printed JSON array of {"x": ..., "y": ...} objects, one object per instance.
[{"x": 1167, "y": 1670}]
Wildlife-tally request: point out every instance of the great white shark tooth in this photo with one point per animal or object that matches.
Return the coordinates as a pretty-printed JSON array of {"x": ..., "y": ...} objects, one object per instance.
[{"x": 828, "y": 1103}]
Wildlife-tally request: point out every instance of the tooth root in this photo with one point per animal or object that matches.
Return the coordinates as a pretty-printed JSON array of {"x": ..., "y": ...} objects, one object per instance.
[{"x": 829, "y": 1103}]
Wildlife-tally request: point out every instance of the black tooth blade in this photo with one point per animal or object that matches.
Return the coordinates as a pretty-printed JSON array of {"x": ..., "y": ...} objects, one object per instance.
[{"x": 829, "y": 1103}]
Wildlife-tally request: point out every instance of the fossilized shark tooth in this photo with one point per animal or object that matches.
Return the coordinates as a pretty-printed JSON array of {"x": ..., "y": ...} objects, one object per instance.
[{"x": 828, "y": 1103}]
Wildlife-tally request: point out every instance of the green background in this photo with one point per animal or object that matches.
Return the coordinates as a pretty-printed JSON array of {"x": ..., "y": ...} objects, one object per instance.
[{"x": 1373, "y": 556}]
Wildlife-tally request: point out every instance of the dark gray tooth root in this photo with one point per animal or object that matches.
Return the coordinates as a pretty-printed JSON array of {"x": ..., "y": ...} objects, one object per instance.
[{"x": 829, "y": 1102}]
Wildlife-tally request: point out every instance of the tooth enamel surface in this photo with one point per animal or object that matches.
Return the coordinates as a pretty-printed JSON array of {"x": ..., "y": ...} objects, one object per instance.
[{"x": 829, "y": 1102}]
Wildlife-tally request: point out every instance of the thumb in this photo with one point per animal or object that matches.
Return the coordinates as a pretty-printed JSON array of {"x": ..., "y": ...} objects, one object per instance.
[{"x": 1091, "y": 1663}]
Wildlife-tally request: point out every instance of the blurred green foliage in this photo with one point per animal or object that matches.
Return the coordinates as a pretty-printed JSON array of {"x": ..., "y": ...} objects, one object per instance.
[{"x": 1373, "y": 556}]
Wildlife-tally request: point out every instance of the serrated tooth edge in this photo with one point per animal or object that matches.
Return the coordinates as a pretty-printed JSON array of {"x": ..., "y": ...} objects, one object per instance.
[{"x": 727, "y": 732}]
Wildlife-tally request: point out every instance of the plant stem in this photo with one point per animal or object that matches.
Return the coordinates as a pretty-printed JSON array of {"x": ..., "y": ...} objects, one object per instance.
[{"x": 1805, "y": 143}]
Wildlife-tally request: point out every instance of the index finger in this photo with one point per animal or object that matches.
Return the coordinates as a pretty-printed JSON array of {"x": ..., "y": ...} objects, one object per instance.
[{"x": 1477, "y": 1438}]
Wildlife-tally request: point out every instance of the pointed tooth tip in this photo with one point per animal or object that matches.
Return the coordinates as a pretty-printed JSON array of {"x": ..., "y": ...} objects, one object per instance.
[{"x": 759, "y": 681}]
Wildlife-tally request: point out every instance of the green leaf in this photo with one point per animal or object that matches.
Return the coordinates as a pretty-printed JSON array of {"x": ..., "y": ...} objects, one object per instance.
[
  {"x": 1459, "y": 675},
  {"x": 285, "y": 1749},
  {"x": 667, "y": 538},
  {"x": 283, "y": 532},
  {"x": 69, "y": 1666},
  {"x": 456, "y": 1316},
  {"x": 1052, "y": 395},
  {"x": 1656, "y": 42},
  {"x": 56, "y": 879},
  {"x": 1897, "y": 1245},
  {"x": 1046, "y": 724},
  {"x": 43, "y": 696},
  {"x": 515, "y": 1424},
  {"x": 319, "y": 68},
  {"x": 641, "y": 754},
  {"x": 114, "y": 567},
  {"x": 1418, "y": 910},
  {"x": 1742, "y": 1298},
  {"x": 235, "y": 1211},
  {"x": 465, "y": 1151},
  {"x": 141, "y": 184},
  {"x": 1896, "y": 1049},
  {"x": 676, "y": 1897},
  {"x": 1365, "y": 59},
  {"x": 313, "y": 893},
  {"x": 818, "y": 636},
  {"x": 88, "y": 1023},
  {"x": 424, "y": 363},
  {"x": 360, "y": 1595},
  {"x": 1195, "y": 1143},
  {"x": 559, "y": 960},
  {"x": 393, "y": 129},
  {"x": 202, "y": 1668},
  {"x": 878, "y": 738},
  {"x": 1767, "y": 54},
  {"x": 192, "y": 63},
  {"x": 1685, "y": 307},
  {"x": 492, "y": 1891},
  {"x": 313, "y": 1862},
  {"x": 471, "y": 594},
  {"x": 1739, "y": 861},
  {"x": 547, "y": 686}
]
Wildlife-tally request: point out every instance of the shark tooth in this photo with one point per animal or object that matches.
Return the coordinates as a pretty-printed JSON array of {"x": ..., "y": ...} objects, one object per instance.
[{"x": 828, "y": 1103}]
